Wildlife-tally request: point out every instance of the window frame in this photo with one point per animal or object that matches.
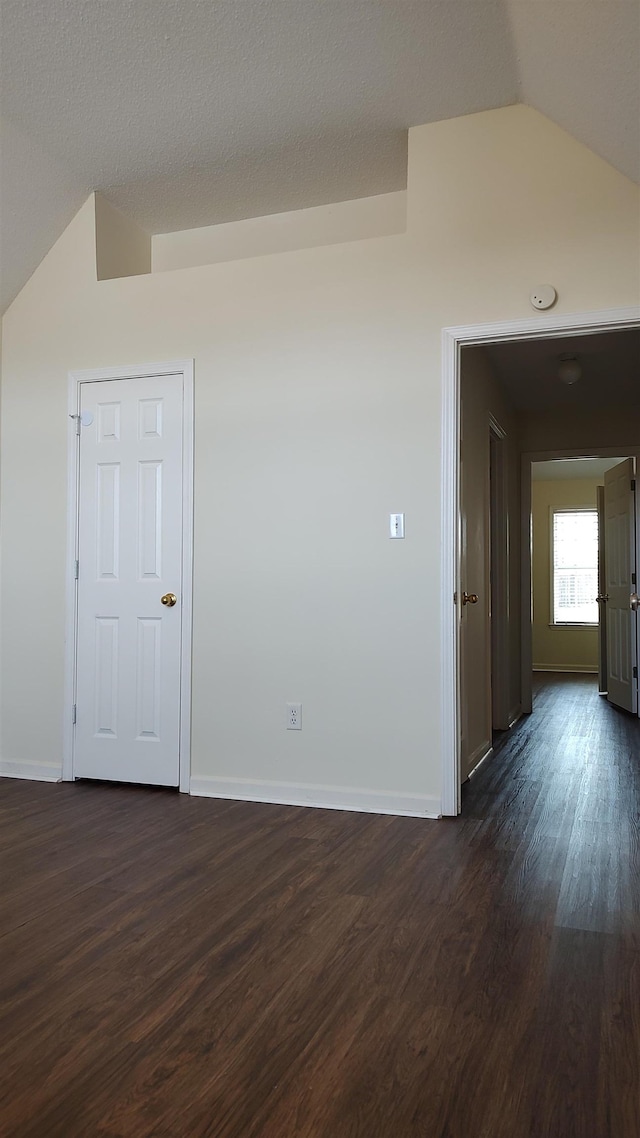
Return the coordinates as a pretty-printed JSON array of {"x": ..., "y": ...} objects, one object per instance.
[{"x": 553, "y": 510}]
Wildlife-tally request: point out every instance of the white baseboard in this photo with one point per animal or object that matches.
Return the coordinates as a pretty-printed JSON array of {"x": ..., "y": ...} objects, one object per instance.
[
  {"x": 27, "y": 768},
  {"x": 322, "y": 797},
  {"x": 586, "y": 668}
]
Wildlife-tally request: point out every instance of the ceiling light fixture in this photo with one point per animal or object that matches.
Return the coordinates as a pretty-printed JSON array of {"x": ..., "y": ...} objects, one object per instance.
[{"x": 569, "y": 369}]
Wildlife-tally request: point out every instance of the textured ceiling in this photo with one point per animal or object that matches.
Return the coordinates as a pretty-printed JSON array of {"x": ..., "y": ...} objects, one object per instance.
[
  {"x": 528, "y": 371},
  {"x": 579, "y": 63},
  {"x": 191, "y": 113}
]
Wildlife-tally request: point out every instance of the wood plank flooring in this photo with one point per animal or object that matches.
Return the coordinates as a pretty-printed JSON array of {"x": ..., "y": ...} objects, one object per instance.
[{"x": 185, "y": 967}]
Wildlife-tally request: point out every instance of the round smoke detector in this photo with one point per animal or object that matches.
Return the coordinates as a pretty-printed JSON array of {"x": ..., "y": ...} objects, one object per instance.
[{"x": 544, "y": 296}]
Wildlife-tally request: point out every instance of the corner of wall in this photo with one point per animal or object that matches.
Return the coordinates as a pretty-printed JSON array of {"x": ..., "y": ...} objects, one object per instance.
[
  {"x": 68, "y": 267},
  {"x": 122, "y": 247},
  {"x": 535, "y": 187}
]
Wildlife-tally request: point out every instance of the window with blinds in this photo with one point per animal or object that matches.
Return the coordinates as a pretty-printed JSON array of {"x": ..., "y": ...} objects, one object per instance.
[{"x": 575, "y": 566}]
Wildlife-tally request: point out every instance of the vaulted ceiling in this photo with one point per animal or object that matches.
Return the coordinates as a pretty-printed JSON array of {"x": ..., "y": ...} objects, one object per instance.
[{"x": 192, "y": 112}]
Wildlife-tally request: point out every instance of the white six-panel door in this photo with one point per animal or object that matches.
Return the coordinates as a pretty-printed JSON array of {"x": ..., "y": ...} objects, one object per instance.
[
  {"x": 128, "y": 663},
  {"x": 620, "y": 569}
]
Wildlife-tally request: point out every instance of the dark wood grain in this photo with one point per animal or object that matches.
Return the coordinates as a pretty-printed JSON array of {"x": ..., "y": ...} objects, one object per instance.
[{"x": 184, "y": 967}]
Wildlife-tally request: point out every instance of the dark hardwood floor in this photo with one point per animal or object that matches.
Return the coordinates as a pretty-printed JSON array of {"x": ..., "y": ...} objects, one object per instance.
[{"x": 190, "y": 967}]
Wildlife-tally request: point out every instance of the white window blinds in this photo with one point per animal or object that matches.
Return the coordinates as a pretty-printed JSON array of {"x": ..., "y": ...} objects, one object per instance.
[{"x": 575, "y": 566}]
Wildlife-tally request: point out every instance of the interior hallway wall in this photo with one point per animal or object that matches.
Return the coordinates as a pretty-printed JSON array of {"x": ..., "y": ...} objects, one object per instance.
[{"x": 586, "y": 430}]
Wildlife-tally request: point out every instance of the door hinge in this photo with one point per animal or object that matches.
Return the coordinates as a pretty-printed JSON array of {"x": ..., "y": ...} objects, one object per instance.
[
  {"x": 76, "y": 569},
  {"x": 633, "y": 483},
  {"x": 74, "y": 713},
  {"x": 633, "y": 578},
  {"x": 635, "y": 672},
  {"x": 78, "y": 422}
]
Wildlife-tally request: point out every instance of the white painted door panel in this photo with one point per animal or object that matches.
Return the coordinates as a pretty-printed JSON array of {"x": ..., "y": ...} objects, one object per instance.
[
  {"x": 130, "y": 555},
  {"x": 602, "y": 591},
  {"x": 620, "y": 570}
]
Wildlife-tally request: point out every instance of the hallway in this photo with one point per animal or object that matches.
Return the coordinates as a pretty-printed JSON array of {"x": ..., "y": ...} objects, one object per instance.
[
  {"x": 569, "y": 775},
  {"x": 558, "y": 809},
  {"x": 175, "y": 966},
  {"x": 562, "y": 793}
]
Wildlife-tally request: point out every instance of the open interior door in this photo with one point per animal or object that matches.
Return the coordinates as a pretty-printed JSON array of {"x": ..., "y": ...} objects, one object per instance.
[
  {"x": 474, "y": 598},
  {"x": 621, "y": 585},
  {"x": 603, "y": 679}
]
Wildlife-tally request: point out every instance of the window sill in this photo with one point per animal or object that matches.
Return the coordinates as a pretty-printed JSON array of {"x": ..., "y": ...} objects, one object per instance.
[{"x": 572, "y": 624}]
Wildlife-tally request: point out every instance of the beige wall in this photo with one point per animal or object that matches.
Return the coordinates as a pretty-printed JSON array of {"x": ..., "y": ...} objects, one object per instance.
[
  {"x": 378, "y": 216},
  {"x": 587, "y": 431},
  {"x": 318, "y": 379},
  {"x": 123, "y": 249},
  {"x": 567, "y": 649}
]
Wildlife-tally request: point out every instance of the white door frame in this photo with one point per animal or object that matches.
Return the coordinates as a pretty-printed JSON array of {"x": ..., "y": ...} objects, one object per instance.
[
  {"x": 453, "y": 340},
  {"x": 184, "y": 369}
]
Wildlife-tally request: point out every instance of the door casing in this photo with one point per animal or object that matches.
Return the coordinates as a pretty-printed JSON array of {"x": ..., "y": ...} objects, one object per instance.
[
  {"x": 453, "y": 340},
  {"x": 185, "y": 370}
]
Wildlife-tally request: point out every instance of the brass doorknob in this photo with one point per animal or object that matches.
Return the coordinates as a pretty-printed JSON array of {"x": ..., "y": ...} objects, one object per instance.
[
  {"x": 169, "y": 599},
  {"x": 469, "y": 598},
  {"x": 634, "y": 602}
]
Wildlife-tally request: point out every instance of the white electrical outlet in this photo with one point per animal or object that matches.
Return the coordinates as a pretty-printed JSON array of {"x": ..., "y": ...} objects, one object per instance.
[
  {"x": 294, "y": 717},
  {"x": 396, "y": 525}
]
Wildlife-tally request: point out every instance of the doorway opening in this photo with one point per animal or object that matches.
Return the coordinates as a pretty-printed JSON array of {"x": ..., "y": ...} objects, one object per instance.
[
  {"x": 583, "y": 572},
  {"x": 561, "y": 422}
]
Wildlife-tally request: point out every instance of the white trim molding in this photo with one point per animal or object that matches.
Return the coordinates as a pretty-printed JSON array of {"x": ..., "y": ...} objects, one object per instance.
[
  {"x": 30, "y": 769},
  {"x": 184, "y": 369},
  {"x": 453, "y": 340},
  {"x": 322, "y": 797}
]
